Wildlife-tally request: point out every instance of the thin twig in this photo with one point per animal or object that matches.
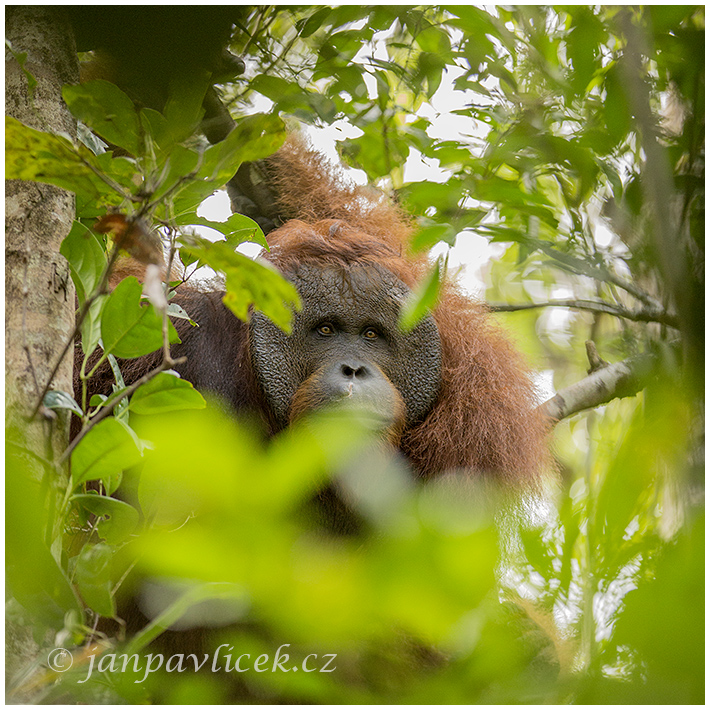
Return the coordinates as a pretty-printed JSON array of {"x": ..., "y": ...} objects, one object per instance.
[
  {"x": 111, "y": 183},
  {"x": 109, "y": 405},
  {"x": 639, "y": 315}
]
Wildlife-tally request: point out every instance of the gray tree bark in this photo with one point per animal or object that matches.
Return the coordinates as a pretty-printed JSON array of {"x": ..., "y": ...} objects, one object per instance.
[{"x": 39, "y": 295}]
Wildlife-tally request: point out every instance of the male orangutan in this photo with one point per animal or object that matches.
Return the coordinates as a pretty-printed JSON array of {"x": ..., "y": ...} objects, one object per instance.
[{"x": 451, "y": 394}]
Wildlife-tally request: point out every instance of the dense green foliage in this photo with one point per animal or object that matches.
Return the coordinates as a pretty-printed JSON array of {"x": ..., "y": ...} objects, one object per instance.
[{"x": 580, "y": 154}]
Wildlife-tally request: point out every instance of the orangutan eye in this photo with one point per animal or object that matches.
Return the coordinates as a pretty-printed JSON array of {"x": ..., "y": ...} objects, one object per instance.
[
  {"x": 326, "y": 329},
  {"x": 370, "y": 334}
]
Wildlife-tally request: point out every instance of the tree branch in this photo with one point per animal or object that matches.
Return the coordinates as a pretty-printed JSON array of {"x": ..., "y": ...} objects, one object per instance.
[
  {"x": 639, "y": 315},
  {"x": 621, "y": 379}
]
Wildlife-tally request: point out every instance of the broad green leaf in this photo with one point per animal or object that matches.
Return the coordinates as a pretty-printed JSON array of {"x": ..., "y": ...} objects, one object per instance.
[
  {"x": 275, "y": 88},
  {"x": 108, "y": 111},
  {"x": 434, "y": 40},
  {"x": 616, "y": 104},
  {"x": 255, "y": 283},
  {"x": 349, "y": 78},
  {"x": 130, "y": 328},
  {"x": 237, "y": 229},
  {"x": 423, "y": 299},
  {"x": 119, "y": 520},
  {"x": 432, "y": 234},
  {"x": 42, "y": 157},
  {"x": 583, "y": 45},
  {"x": 253, "y": 138},
  {"x": 104, "y": 452},
  {"x": 420, "y": 197},
  {"x": 179, "y": 164},
  {"x": 183, "y": 110},
  {"x": 165, "y": 393},
  {"x": 249, "y": 283},
  {"x": 155, "y": 127},
  {"x": 86, "y": 257},
  {"x": 309, "y": 25},
  {"x": 54, "y": 399},
  {"x": 93, "y": 577},
  {"x": 431, "y": 66}
]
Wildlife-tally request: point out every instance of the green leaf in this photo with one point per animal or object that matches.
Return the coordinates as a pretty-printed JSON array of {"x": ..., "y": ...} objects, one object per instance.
[
  {"x": 116, "y": 370},
  {"x": 91, "y": 326},
  {"x": 616, "y": 106},
  {"x": 180, "y": 163},
  {"x": 275, "y": 87},
  {"x": 21, "y": 59},
  {"x": 119, "y": 520},
  {"x": 249, "y": 283},
  {"x": 33, "y": 576},
  {"x": 431, "y": 66},
  {"x": 130, "y": 328},
  {"x": 165, "y": 393},
  {"x": 93, "y": 577},
  {"x": 349, "y": 78},
  {"x": 434, "y": 40},
  {"x": 583, "y": 43},
  {"x": 310, "y": 24},
  {"x": 177, "y": 311},
  {"x": 423, "y": 299},
  {"x": 183, "y": 110},
  {"x": 254, "y": 137},
  {"x": 154, "y": 125},
  {"x": 104, "y": 452},
  {"x": 237, "y": 229},
  {"x": 86, "y": 257},
  {"x": 432, "y": 234},
  {"x": 54, "y": 399},
  {"x": 42, "y": 157},
  {"x": 108, "y": 111}
]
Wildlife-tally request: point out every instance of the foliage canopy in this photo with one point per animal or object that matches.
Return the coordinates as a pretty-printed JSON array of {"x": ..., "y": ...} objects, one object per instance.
[{"x": 572, "y": 140}]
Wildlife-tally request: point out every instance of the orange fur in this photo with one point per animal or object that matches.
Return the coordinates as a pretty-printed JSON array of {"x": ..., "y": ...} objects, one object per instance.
[{"x": 485, "y": 418}]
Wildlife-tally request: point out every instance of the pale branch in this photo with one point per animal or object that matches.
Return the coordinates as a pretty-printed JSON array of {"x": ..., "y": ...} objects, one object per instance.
[
  {"x": 639, "y": 315},
  {"x": 620, "y": 379}
]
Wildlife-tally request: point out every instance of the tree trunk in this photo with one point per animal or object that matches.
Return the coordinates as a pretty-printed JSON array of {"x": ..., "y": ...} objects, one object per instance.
[{"x": 39, "y": 295}]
